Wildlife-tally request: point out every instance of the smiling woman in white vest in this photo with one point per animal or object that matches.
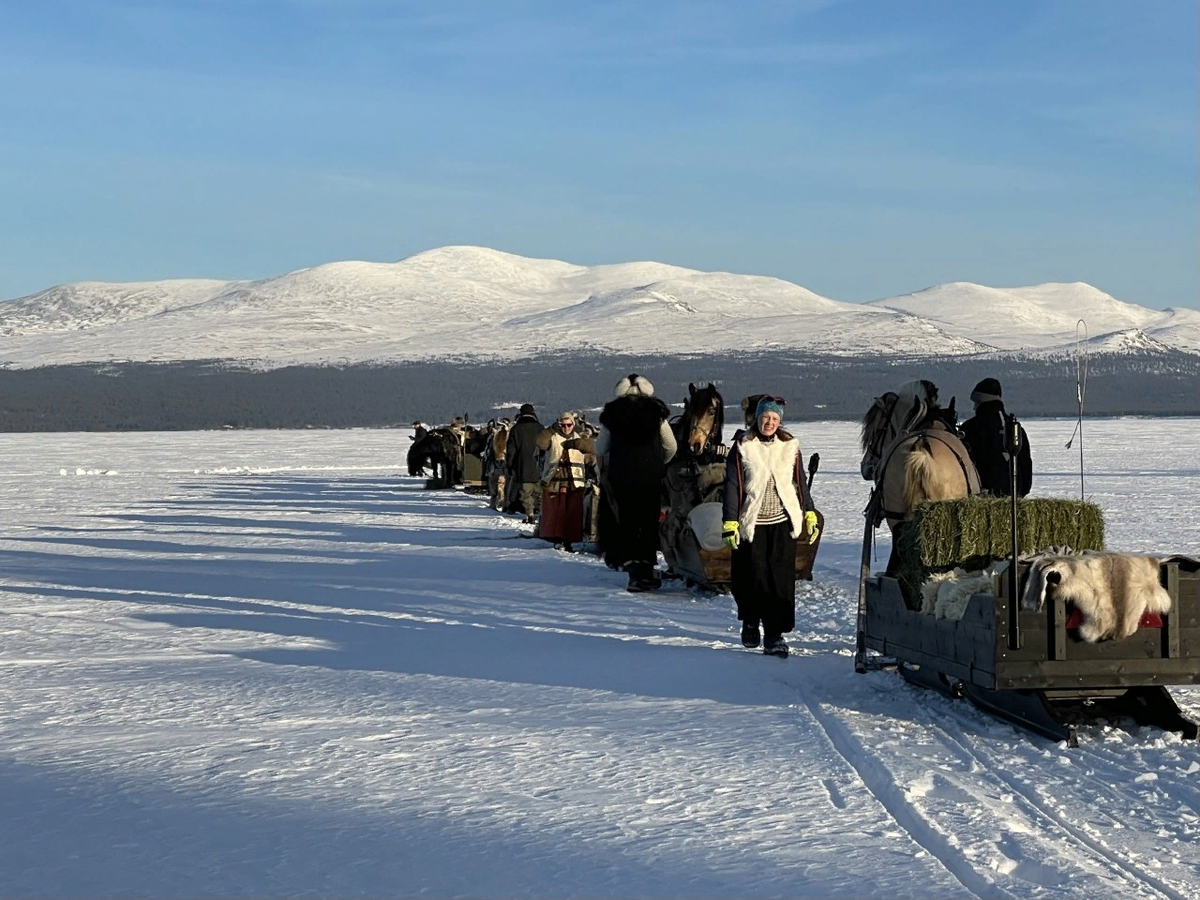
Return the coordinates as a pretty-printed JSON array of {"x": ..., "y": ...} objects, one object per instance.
[{"x": 766, "y": 509}]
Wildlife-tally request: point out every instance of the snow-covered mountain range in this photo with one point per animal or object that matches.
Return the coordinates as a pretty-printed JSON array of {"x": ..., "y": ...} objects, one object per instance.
[{"x": 473, "y": 301}]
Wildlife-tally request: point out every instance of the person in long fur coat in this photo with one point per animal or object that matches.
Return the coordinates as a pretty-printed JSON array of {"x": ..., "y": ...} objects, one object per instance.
[
  {"x": 634, "y": 445},
  {"x": 563, "y": 483},
  {"x": 766, "y": 509}
]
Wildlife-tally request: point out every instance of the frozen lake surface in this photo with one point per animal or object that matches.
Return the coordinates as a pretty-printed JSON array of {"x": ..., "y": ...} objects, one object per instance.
[{"x": 265, "y": 664}]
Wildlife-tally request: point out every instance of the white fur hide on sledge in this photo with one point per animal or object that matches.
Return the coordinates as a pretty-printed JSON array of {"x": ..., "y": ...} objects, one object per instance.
[
  {"x": 946, "y": 594},
  {"x": 1111, "y": 590}
]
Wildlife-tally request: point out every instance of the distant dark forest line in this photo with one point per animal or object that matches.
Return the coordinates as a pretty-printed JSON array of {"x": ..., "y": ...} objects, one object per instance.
[{"x": 201, "y": 395}]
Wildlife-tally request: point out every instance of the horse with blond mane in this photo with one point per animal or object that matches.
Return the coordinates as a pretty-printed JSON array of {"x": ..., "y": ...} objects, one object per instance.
[{"x": 912, "y": 453}]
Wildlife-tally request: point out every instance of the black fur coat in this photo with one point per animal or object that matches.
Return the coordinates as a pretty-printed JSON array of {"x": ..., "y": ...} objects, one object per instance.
[{"x": 635, "y": 449}]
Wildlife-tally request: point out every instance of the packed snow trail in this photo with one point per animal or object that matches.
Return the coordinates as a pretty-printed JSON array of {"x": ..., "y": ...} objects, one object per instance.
[{"x": 314, "y": 677}]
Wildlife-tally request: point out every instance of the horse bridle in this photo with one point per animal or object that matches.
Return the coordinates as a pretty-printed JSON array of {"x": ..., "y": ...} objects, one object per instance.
[{"x": 689, "y": 426}]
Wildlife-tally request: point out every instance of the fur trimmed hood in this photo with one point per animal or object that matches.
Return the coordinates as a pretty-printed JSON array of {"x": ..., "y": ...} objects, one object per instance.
[
  {"x": 635, "y": 417},
  {"x": 633, "y": 384}
]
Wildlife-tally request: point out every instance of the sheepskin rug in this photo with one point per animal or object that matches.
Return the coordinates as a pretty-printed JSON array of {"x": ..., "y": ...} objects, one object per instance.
[
  {"x": 1111, "y": 590},
  {"x": 945, "y": 595}
]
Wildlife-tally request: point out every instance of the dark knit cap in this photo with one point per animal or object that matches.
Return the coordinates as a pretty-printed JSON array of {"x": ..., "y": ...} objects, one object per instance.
[
  {"x": 988, "y": 389},
  {"x": 527, "y": 410}
]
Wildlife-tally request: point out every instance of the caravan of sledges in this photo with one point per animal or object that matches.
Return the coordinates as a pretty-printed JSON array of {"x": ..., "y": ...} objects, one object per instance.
[{"x": 1081, "y": 633}]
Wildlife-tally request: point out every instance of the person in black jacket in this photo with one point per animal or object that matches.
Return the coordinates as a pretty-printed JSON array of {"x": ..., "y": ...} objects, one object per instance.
[
  {"x": 983, "y": 434},
  {"x": 633, "y": 448},
  {"x": 524, "y": 473}
]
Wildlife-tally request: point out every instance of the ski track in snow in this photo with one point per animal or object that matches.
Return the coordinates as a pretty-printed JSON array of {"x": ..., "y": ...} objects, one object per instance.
[{"x": 260, "y": 664}]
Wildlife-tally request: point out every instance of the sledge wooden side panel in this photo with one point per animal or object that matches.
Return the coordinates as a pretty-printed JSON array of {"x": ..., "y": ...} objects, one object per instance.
[{"x": 976, "y": 648}]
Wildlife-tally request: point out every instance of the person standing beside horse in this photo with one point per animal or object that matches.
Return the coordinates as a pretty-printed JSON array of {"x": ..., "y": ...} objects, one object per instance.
[
  {"x": 524, "y": 474},
  {"x": 563, "y": 483},
  {"x": 495, "y": 463},
  {"x": 632, "y": 450},
  {"x": 766, "y": 509},
  {"x": 984, "y": 435}
]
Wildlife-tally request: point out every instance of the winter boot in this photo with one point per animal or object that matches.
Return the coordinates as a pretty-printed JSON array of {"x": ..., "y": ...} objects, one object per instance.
[
  {"x": 750, "y": 636},
  {"x": 642, "y": 577},
  {"x": 774, "y": 645}
]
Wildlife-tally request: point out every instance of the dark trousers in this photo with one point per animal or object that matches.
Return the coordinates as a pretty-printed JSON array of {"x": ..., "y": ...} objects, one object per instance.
[
  {"x": 634, "y": 537},
  {"x": 763, "y": 578}
]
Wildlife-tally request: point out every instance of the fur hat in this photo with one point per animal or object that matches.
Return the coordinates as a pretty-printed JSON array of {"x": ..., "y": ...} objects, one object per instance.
[
  {"x": 769, "y": 404},
  {"x": 569, "y": 415},
  {"x": 527, "y": 410},
  {"x": 986, "y": 390},
  {"x": 634, "y": 384}
]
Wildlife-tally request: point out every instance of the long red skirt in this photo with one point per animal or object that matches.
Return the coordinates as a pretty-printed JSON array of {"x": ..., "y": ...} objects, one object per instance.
[{"x": 562, "y": 516}]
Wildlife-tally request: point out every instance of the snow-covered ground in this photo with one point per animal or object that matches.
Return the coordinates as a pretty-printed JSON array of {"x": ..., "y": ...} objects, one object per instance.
[{"x": 264, "y": 664}]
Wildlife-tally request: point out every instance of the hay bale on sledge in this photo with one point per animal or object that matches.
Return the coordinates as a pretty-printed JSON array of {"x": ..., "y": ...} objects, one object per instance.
[{"x": 974, "y": 532}]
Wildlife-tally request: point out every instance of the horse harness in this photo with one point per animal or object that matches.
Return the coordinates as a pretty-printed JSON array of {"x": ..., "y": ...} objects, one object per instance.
[{"x": 925, "y": 434}]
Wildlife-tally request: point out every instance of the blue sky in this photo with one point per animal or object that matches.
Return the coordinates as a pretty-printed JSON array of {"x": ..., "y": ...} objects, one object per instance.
[{"x": 861, "y": 148}]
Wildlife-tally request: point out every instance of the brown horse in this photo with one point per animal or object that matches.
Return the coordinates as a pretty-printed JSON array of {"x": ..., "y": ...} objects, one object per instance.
[
  {"x": 912, "y": 453},
  {"x": 703, "y": 420}
]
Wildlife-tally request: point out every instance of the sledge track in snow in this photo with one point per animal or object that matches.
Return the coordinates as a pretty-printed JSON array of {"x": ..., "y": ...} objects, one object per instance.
[
  {"x": 850, "y": 753},
  {"x": 1038, "y": 809},
  {"x": 878, "y": 781},
  {"x": 1182, "y": 790}
]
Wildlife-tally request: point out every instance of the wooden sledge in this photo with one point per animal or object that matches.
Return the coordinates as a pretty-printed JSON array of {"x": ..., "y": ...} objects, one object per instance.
[
  {"x": 710, "y": 569},
  {"x": 1033, "y": 671},
  {"x": 474, "y": 481}
]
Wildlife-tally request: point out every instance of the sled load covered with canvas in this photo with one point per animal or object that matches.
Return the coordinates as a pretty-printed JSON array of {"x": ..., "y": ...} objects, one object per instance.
[
  {"x": 693, "y": 492},
  {"x": 1074, "y": 633}
]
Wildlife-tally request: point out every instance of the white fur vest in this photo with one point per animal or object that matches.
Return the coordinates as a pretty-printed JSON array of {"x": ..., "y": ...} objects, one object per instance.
[{"x": 760, "y": 460}]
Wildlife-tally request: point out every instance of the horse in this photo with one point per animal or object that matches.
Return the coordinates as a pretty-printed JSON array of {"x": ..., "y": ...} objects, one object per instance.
[
  {"x": 703, "y": 420},
  {"x": 440, "y": 451},
  {"x": 911, "y": 451}
]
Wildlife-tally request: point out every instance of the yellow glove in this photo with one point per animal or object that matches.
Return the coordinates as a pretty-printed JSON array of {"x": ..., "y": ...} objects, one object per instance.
[
  {"x": 810, "y": 526},
  {"x": 731, "y": 534}
]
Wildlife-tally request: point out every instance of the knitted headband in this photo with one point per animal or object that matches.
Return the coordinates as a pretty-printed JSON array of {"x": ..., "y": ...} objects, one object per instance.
[{"x": 769, "y": 404}]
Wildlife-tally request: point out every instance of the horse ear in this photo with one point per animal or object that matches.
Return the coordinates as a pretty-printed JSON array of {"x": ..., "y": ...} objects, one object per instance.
[{"x": 691, "y": 389}]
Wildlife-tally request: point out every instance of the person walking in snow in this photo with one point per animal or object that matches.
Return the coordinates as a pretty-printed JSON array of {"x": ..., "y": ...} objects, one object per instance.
[
  {"x": 766, "y": 509},
  {"x": 563, "y": 483},
  {"x": 634, "y": 445},
  {"x": 983, "y": 434},
  {"x": 521, "y": 463}
]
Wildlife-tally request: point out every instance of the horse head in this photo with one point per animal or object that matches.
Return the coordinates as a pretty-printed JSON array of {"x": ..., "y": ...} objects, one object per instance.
[
  {"x": 947, "y": 415},
  {"x": 703, "y": 418}
]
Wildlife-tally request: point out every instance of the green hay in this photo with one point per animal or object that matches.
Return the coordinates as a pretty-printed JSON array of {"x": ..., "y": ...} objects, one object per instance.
[{"x": 974, "y": 532}]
